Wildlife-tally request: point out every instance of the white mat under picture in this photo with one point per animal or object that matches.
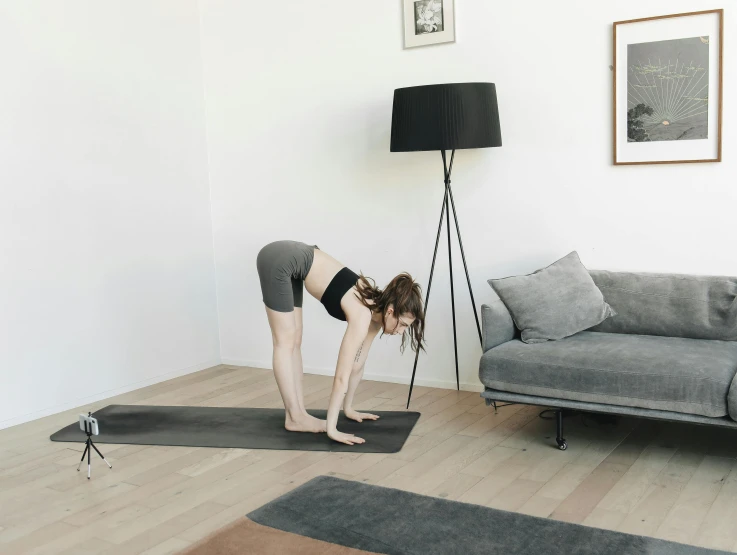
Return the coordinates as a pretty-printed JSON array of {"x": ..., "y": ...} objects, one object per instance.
[
  {"x": 428, "y": 22},
  {"x": 667, "y": 89}
]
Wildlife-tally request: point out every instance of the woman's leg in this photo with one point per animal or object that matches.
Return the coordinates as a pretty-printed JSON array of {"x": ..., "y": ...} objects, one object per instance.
[
  {"x": 298, "y": 371},
  {"x": 284, "y": 339}
]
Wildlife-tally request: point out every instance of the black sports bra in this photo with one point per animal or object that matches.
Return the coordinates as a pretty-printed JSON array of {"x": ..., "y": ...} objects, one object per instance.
[{"x": 339, "y": 285}]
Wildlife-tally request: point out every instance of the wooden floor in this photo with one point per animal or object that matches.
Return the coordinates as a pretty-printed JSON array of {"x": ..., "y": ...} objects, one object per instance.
[{"x": 672, "y": 481}]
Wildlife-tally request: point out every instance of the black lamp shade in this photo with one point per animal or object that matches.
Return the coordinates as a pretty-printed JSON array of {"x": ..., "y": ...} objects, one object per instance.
[{"x": 445, "y": 117}]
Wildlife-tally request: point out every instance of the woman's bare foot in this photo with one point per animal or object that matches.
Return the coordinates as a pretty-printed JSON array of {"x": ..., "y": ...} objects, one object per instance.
[{"x": 305, "y": 423}]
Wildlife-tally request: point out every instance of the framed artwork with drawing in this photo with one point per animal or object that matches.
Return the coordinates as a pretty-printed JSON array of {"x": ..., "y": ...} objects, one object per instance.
[
  {"x": 668, "y": 89},
  {"x": 428, "y": 22}
]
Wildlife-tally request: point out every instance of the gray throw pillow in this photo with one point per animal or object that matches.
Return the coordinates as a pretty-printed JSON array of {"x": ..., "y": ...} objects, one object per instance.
[{"x": 553, "y": 302}]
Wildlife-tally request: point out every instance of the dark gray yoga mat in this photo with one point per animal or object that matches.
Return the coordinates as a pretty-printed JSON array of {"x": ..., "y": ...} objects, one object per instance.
[
  {"x": 396, "y": 522},
  {"x": 245, "y": 428}
]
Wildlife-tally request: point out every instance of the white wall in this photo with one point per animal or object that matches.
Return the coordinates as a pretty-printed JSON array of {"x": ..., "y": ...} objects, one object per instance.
[
  {"x": 107, "y": 280},
  {"x": 106, "y": 256},
  {"x": 298, "y": 100}
]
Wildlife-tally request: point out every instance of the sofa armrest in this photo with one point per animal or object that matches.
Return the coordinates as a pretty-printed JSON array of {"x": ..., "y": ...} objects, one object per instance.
[
  {"x": 732, "y": 399},
  {"x": 496, "y": 324}
]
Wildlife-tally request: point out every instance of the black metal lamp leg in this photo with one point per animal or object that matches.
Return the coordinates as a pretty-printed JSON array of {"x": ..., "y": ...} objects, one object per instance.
[
  {"x": 463, "y": 256},
  {"x": 429, "y": 284},
  {"x": 450, "y": 268},
  {"x": 562, "y": 444}
]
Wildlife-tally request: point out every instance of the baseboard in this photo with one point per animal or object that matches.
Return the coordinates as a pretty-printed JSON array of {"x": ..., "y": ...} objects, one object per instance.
[
  {"x": 440, "y": 384},
  {"x": 106, "y": 394}
]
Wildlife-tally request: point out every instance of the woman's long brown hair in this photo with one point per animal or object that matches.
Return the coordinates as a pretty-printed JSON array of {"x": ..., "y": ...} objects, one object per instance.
[{"x": 405, "y": 296}]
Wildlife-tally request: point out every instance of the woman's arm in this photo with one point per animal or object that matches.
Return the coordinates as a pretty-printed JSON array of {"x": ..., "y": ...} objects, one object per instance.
[
  {"x": 357, "y": 375},
  {"x": 353, "y": 339}
]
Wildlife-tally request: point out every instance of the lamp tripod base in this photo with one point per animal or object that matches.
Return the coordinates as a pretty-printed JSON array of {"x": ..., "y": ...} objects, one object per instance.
[{"x": 445, "y": 212}]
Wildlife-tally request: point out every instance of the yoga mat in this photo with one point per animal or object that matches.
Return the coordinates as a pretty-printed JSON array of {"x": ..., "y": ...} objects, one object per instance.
[
  {"x": 244, "y": 428},
  {"x": 385, "y": 520}
]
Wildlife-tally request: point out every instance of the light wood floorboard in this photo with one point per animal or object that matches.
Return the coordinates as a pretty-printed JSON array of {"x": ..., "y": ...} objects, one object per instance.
[{"x": 665, "y": 480}]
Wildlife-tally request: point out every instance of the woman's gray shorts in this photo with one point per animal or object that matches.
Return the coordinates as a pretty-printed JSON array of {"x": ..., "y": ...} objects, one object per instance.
[{"x": 282, "y": 268}]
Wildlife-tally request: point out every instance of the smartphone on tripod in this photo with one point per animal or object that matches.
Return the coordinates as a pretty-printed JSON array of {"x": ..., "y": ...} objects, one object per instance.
[{"x": 89, "y": 424}]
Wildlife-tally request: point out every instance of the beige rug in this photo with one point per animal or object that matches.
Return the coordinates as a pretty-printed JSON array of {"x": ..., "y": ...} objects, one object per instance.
[{"x": 246, "y": 536}]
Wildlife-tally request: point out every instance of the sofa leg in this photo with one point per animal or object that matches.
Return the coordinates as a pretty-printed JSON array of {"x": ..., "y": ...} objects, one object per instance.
[
  {"x": 490, "y": 402},
  {"x": 562, "y": 444}
]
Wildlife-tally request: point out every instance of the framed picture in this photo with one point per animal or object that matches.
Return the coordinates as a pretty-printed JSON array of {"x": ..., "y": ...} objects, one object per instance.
[
  {"x": 668, "y": 89},
  {"x": 428, "y": 22}
]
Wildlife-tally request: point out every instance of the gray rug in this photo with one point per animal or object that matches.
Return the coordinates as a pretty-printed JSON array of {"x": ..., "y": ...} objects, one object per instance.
[
  {"x": 391, "y": 521},
  {"x": 244, "y": 428}
]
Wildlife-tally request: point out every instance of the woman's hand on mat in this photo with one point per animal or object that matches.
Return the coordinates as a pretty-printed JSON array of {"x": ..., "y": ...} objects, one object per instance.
[
  {"x": 359, "y": 416},
  {"x": 350, "y": 439}
]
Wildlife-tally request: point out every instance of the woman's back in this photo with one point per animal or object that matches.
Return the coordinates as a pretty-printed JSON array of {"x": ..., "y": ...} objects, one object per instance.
[{"x": 323, "y": 270}]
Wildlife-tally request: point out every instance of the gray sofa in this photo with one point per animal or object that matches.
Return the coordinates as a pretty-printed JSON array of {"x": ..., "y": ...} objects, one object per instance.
[{"x": 669, "y": 353}]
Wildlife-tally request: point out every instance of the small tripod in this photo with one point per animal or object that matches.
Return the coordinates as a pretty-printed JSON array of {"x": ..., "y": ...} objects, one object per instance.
[{"x": 89, "y": 445}]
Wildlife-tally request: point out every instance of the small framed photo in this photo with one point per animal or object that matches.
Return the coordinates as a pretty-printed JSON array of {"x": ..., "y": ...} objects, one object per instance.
[
  {"x": 668, "y": 89},
  {"x": 428, "y": 22}
]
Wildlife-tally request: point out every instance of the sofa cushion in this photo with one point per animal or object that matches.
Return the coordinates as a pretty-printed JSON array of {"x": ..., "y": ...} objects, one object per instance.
[
  {"x": 673, "y": 305},
  {"x": 665, "y": 373},
  {"x": 553, "y": 302}
]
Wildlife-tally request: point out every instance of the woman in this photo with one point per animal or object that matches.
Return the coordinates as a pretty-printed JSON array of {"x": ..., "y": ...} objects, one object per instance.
[{"x": 283, "y": 266}]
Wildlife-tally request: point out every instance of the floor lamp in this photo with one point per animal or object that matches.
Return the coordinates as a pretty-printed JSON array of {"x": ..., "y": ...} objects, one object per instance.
[{"x": 446, "y": 117}]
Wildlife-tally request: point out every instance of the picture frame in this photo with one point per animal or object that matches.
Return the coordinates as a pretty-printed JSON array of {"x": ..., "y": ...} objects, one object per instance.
[
  {"x": 428, "y": 22},
  {"x": 667, "y": 88}
]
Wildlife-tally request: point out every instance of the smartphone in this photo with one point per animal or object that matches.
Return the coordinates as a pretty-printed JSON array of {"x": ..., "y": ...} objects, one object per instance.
[{"x": 91, "y": 424}]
